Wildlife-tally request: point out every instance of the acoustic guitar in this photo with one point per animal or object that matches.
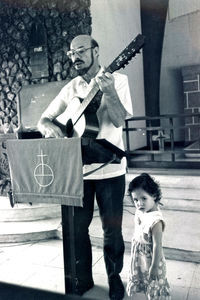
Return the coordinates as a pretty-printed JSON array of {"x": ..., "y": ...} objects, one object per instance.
[{"x": 83, "y": 121}]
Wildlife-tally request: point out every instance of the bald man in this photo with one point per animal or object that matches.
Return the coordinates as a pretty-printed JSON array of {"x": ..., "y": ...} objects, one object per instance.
[{"x": 107, "y": 184}]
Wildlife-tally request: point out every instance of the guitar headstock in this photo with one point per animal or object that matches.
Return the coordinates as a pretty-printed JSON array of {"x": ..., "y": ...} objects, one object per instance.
[{"x": 127, "y": 54}]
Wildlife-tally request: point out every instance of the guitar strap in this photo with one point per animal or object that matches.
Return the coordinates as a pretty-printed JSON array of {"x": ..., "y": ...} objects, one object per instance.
[
  {"x": 94, "y": 104},
  {"x": 102, "y": 166},
  {"x": 100, "y": 151}
]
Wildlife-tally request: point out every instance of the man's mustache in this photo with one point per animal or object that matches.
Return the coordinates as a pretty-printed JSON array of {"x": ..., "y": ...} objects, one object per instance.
[{"x": 78, "y": 61}]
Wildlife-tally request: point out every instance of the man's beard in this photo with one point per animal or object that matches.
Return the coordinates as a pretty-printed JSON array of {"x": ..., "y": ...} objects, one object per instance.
[{"x": 84, "y": 71}]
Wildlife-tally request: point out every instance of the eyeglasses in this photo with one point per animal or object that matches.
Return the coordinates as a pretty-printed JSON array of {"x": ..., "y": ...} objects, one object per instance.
[{"x": 79, "y": 52}]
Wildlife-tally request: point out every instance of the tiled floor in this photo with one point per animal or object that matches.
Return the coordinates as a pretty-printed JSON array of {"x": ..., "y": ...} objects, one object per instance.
[{"x": 40, "y": 265}]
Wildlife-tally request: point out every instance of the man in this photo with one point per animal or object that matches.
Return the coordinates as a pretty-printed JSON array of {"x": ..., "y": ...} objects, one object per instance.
[{"x": 108, "y": 183}]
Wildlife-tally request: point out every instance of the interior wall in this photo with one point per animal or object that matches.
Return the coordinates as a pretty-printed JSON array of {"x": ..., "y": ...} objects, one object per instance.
[
  {"x": 181, "y": 48},
  {"x": 35, "y": 37},
  {"x": 115, "y": 24},
  {"x": 179, "y": 8}
]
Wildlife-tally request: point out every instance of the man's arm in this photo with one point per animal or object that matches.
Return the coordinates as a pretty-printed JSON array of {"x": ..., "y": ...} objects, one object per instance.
[
  {"x": 116, "y": 110},
  {"x": 45, "y": 124},
  {"x": 49, "y": 129}
]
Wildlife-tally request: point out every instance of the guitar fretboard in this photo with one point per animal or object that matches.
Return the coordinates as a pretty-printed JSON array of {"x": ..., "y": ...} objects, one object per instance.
[{"x": 85, "y": 103}]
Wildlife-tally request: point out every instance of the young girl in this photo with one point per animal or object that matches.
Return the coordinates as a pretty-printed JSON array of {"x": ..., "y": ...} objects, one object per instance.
[{"x": 148, "y": 269}]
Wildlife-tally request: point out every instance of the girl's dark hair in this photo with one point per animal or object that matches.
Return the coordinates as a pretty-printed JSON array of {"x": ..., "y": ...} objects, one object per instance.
[{"x": 148, "y": 184}]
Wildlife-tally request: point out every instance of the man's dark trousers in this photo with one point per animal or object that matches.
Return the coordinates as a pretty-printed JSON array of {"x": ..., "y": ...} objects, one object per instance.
[{"x": 109, "y": 196}]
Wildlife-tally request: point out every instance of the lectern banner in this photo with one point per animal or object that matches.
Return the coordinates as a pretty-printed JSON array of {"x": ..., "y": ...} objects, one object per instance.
[{"x": 46, "y": 170}]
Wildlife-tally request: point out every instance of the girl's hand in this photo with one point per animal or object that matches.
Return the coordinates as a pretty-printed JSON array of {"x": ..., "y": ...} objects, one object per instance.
[
  {"x": 157, "y": 250},
  {"x": 153, "y": 273}
]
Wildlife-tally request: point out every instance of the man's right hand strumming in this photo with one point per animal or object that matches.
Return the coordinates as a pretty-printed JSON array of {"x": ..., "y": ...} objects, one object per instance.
[{"x": 49, "y": 130}]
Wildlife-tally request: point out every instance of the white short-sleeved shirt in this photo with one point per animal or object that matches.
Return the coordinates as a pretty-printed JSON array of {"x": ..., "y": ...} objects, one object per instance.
[{"x": 78, "y": 87}]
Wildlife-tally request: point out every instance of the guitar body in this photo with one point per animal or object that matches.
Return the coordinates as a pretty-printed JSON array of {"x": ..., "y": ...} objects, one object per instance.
[
  {"x": 86, "y": 126},
  {"x": 89, "y": 127},
  {"x": 65, "y": 120}
]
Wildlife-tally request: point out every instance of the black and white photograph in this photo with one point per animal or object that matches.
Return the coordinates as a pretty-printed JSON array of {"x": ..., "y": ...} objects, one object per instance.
[{"x": 100, "y": 149}]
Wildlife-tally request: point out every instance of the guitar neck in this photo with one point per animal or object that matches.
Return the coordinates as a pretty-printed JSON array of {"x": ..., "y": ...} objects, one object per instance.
[
  {"x": 88, "y": 99},
  {"x": 85, "y": 103}
]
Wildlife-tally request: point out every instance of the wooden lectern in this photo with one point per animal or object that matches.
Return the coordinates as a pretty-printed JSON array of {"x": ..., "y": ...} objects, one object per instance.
[
  {"x": 41, "y": 172},
  {"x": 32, "y": 101}
]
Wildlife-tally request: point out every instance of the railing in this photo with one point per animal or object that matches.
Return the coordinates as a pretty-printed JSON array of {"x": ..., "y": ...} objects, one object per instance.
[{"x": 161, "y": 147}]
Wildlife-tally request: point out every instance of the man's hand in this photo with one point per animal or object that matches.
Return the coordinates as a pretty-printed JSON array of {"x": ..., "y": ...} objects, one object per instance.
[
  {"x": 53, "y": 131},
  {"x": 116, "y": 110},
  {"x": 48, "y": 129},
  {"x": 105, "y": 82}
]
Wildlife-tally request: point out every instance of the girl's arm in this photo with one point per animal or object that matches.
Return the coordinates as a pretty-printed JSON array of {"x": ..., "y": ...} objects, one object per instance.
[{"x": 157, "y": 250}]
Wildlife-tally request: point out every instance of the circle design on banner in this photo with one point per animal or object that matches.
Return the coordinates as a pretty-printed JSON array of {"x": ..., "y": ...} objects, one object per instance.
[{"x": 43, "y": 173}]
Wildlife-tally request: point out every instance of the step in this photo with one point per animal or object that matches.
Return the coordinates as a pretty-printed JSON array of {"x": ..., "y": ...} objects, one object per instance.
[
  {"x": 20, "y": 232},
  {"x": 27, "y": 212},
  {"x": 181, "y": 193},
  {"x": 181, "y": 239},
  {"x": 27, "y": 222},
  {"x": 180, "y": 189},
  {"x": 165, "y": 171},
  {"x": 176, "y": 204},
  {"x": 171, "y": 180}
]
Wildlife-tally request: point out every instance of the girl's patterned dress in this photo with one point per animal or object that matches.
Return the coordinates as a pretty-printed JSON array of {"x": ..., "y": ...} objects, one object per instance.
[{"x": 141, "y": 257}]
